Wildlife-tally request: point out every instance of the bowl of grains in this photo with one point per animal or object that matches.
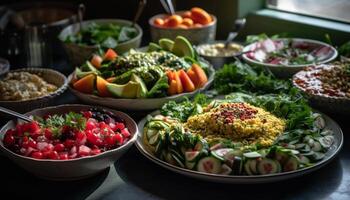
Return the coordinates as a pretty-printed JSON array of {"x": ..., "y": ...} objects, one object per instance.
[
  {"x": 327, "y": 86},
  {"x": 30, "y": 88}
]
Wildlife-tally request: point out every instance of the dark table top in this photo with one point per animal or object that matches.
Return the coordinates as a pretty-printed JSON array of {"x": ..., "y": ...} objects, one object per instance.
[{"x": 135, "y": 177}]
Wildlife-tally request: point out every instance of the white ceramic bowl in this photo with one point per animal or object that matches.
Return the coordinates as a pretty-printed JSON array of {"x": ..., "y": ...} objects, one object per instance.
[
  {"x": 287, "y": 71},
  {"x": 74, "y": 169}
]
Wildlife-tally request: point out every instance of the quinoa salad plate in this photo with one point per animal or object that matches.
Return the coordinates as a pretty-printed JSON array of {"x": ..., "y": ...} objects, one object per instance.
[{"x": 240, "y": 138}]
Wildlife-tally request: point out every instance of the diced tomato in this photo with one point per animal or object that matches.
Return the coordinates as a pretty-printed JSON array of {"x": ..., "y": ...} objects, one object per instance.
[
  {"x": 37, "y": 155},
  {"x": 63, "y": 155},
  {"x": 110, "y": 55},
  {"x": 84, "y": 150},
  {"x": 96, "y": 61},
  {"x": 125, "y": 132},
  {"x": 59, "y": 147}
]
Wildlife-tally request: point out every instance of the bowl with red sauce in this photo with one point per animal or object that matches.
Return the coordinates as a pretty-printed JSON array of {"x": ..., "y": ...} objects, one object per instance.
[
  {"x": 68, "y": 142},
  {"x": 286, "y": 56},
  {"x": 326, "y": 85}
]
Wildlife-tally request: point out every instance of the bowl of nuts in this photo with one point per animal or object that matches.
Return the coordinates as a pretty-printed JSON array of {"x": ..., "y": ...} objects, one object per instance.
[{"x": 327, "y": 86}]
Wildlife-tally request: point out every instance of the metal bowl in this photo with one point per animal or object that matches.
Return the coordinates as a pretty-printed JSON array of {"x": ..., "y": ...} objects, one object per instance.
[
  {"x": 196, "y": 36},
  {"x": 78, "y": 54},
  {"x": 217, "y": 61},
  {"x": 74, "y": 169}
]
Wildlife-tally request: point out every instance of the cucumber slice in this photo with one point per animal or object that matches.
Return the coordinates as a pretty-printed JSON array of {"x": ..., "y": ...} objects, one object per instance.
[
  {"x": 191, "y": 155},
  {"x": 317, "y": 146},
  {"x": 326, "y": 132},
  {"x": 319, "y": 122},
  {"x": 237, "y": 165},
  {"x": 150, "y": 133},
  {"x": 252, "y": 154},
  {"x": 190, "y": 165},
  {"x": 308, "y": 154},
  {"x": 169, "y": 158},
  {"x": 281, "y": 157},
  {"x": 306, "y": 149},
  {"x": 222, "y": 152},
  {"x": 217, "y": 156},
  {"x": 253, "y": 166},
  {"x": 326, "y": 141},
  {"x": 247, "y": 168},
  {"x": 225, "y": 169},
  {"x": 303, "y": 159},
  {"x": 177, "y": 154},
  {"x": 159, "y": 148},
  {"x": 299, "y": 146},
  {"x": 154, "y": 139},
  {"x": 157, "y": 124},
  {"x": 318, "y": 156},
  {"x": 201, "y": 145},
  {"x": 291, "y": 164},
  {"x": 178, "y": 160},
  {"x": 216, "y": 146},
  {"x": 294, "y": 142},
  {"x": 209, "y": 165},
  {"x": 268, "y": 166},
  {"x": 231, "y": 155}
]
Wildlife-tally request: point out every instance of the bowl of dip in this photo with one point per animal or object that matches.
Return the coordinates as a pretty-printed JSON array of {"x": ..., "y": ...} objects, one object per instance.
[{"x": 217, "y": 54}]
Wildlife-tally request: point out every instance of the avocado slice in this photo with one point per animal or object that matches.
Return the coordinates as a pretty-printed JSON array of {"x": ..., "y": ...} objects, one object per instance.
[
  {"x": 182, "y": 47},
  {"x": 142, "y": 89},
  {"x": 135, "y": 88},
  {"x": 153, "y": 47},
  {"x": 81, "y": 74},
  {"x": 166, "y": 44},
  {"x": 128, "y": 90},
  {"x": 89, "y": 67}
]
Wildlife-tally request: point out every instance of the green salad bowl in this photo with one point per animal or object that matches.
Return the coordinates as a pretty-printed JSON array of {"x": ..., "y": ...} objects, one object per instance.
[{"x": 78, "y": 54}]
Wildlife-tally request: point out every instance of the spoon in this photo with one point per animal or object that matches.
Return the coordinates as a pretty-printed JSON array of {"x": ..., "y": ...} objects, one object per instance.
[
  {"x": 239, "y": 24},
  {"x": 15, "y": 114},
  {"x": 139, "y": 11},
  {"x": 81, "y": 11},
  {"x": 168, "y": 6}
]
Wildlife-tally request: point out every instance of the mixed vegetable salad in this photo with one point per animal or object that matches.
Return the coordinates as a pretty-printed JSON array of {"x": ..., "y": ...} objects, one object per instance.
[
  {"x": 68, "y": 136},
  {"x": 103, "y": 35},
  {"x": 304, "y": 141},
  {"x": 288, "y": 51},
  {"x": 167, "y": 68}
]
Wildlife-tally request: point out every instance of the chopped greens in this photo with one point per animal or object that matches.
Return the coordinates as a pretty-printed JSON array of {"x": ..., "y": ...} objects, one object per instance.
[
  {"x": 106, "y": 35},
  {"x": 240, "y": 77}
]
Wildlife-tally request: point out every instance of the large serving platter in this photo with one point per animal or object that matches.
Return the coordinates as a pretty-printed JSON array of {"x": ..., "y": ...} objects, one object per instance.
[{"x": 331, "y": 153}]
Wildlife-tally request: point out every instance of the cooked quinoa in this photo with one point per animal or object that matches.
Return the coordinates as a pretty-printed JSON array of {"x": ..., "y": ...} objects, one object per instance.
[
  {"x": 23, "y": 86},
  {"x": 240, "y": 122}
]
